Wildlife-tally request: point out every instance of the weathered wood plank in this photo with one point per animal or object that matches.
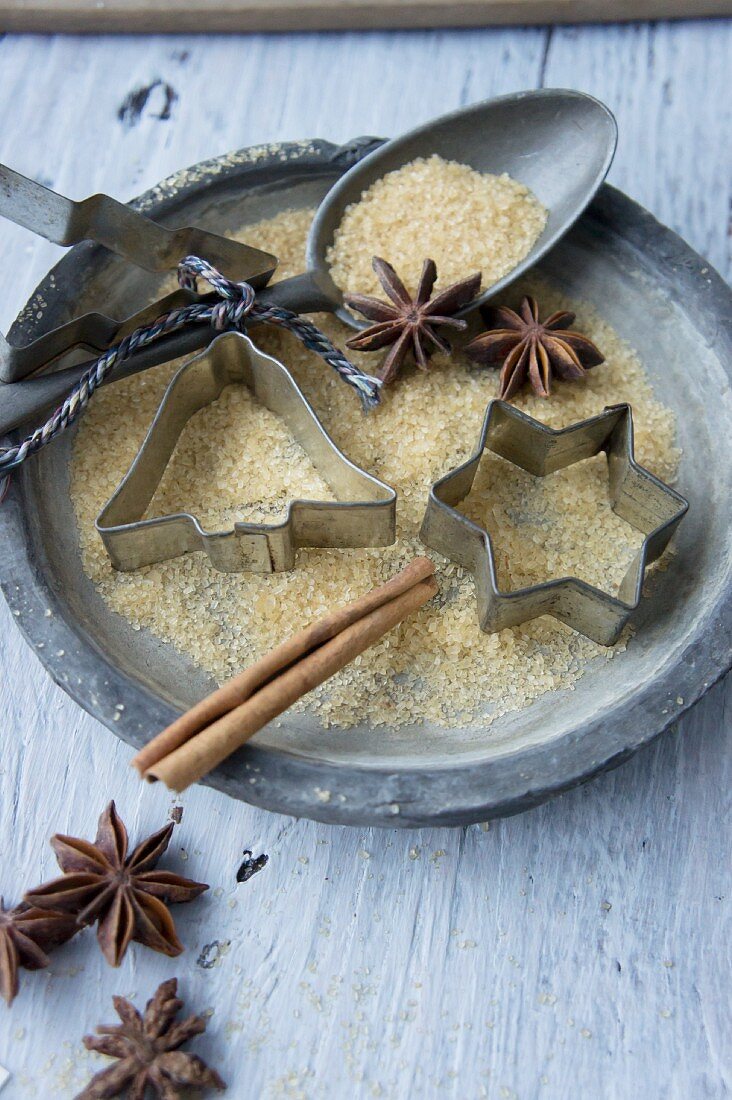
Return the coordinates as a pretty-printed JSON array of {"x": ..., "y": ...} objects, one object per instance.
[
  {"x": 658, "y": 80},
  {"x": 227, "y": 16},
  {"x": 581, "y": 949}
]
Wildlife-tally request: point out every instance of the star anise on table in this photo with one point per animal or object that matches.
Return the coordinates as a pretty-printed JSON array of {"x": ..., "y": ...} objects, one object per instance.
[
  {"x": 146, "y": 1047},
  {"x": 409, "y": 324},
  {"x": 26, "y": 935},
  {"x": 125, "y": 894},
  {"x": 532, "y": 350}
]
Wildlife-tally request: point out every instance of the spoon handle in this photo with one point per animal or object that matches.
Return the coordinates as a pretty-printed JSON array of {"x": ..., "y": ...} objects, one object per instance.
[{"x": 300, "y": 294}]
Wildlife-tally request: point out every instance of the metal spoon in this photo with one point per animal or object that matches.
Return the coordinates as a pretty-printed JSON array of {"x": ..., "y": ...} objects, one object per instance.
[{"x": 559, "y": 143}]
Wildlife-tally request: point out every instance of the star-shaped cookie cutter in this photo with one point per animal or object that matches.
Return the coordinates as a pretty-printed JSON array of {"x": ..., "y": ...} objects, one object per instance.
[
  {"x": 635, "y": 495},
  {"x": 363, "y": 513}
]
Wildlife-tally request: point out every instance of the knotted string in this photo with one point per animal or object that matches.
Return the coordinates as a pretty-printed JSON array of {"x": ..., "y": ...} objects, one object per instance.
[{"x": 237, "y": 304}]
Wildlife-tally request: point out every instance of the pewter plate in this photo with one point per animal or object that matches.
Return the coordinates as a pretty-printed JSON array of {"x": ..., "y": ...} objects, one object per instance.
[{"x": 658, "y": 294}]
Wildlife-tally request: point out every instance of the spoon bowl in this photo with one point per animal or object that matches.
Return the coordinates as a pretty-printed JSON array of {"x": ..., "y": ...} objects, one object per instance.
[{"x": 560, "y": 144}]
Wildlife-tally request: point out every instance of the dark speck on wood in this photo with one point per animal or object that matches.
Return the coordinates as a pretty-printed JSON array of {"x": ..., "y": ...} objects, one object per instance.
[
  {"x": 211, "y": 954},
  {"x": 250, "y": 866},
  {"x": 130, "y": 111}
]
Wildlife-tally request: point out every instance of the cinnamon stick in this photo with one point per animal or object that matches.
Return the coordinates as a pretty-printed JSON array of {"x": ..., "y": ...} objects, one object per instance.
[
  {"x": 237, "y": 690},
  {"x": 201, "y": 753},
  {"x": 241, "y": 686}
]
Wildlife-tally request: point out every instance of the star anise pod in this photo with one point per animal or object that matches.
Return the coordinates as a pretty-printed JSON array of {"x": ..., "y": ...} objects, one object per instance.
[
  {"x": 532, "y": 350},
  {"x": 147, "y": 1051},
  {"x": 26, "y": 934},
  {"x": 406, "y": 323},
  {"x": 123, "y": 893}
]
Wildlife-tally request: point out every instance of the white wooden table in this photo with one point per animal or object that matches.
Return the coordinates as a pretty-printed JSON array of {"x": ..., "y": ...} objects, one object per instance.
[{"x": 579, "y": 950}]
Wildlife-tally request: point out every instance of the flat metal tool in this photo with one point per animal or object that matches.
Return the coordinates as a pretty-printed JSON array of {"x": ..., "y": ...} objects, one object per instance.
[
  {"x": 363, "y": 514},
  {"x": 121, "y": 229},
  {"x": 635, "y": 495}
]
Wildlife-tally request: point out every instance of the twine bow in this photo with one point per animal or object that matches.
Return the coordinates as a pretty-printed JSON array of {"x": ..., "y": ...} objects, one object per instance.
[{"x": 237, "y": 303}]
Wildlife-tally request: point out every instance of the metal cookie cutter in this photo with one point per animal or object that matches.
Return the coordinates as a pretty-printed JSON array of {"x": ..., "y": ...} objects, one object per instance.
[
  {"x": 131, "y": 235},
  {"x": 635, "y": 495},
  {"x": 363, "y": 514},
  {"x": 91, "y": 331}
]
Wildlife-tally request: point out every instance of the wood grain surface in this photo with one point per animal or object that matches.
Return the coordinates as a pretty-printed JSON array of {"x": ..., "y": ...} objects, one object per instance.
[
  {"x": 580, "y": 950},
  {"x": 227, "y": 16}
]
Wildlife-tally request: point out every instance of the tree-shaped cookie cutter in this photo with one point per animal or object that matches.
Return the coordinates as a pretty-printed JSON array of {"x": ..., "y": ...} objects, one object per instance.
[
  {"x": 363, "y": 513},
  {"x": 635, "y": 495}
]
